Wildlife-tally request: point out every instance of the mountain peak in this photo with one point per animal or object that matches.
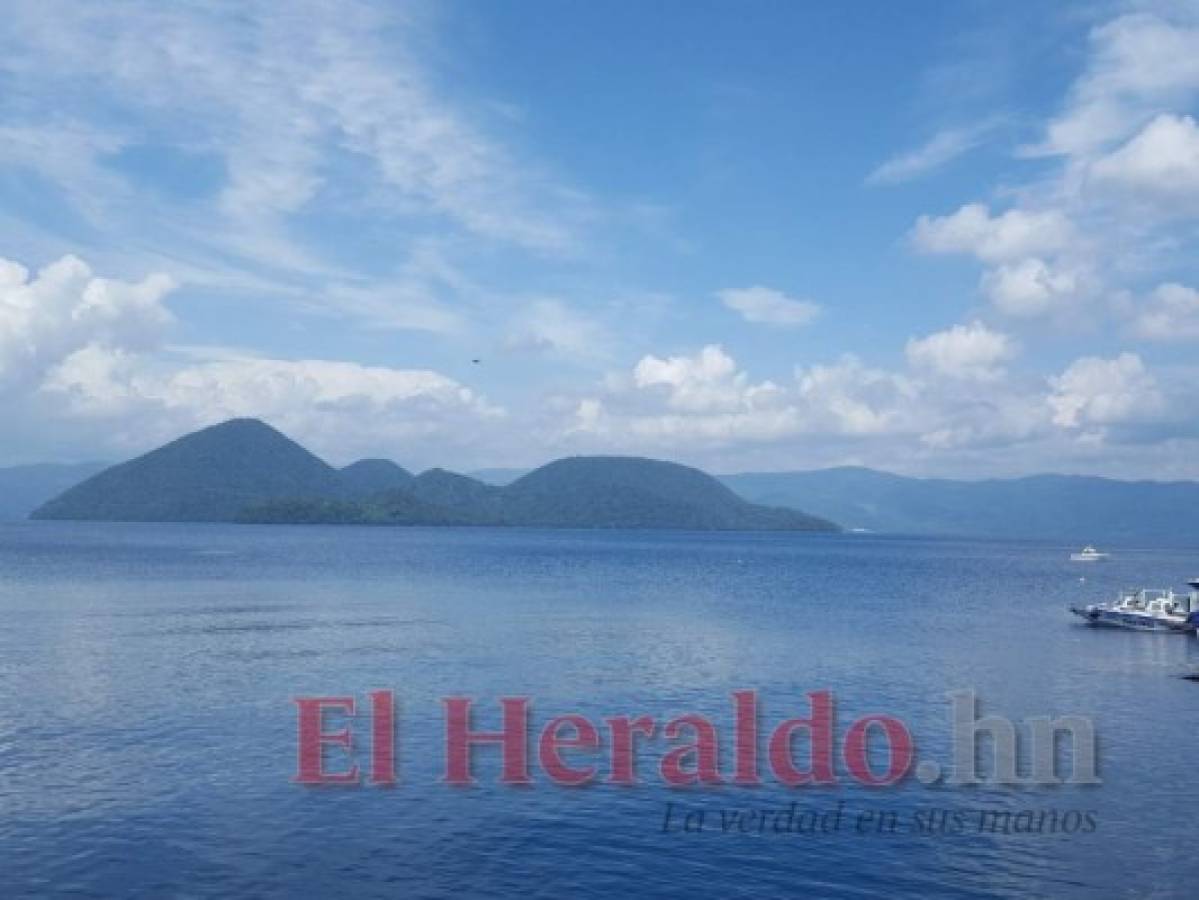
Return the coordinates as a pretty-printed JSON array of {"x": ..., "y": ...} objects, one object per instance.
[
  {"x": 373, "y": 476},
  {"x": 209, "y": 475},
  {"x": 240, "y": 427},
  {"x": 245, "y": 470}
]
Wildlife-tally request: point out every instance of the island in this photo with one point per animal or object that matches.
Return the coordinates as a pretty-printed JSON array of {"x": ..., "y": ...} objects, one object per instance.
[{"x": 246, "y": 471}]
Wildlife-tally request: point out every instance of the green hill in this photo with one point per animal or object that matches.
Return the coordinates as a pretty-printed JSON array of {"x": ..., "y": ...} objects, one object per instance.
[
  {"x": 631, "y": 492},
  {"x": 466, "y": 499},
  {"x": 246, "y": 471},
  {"x": 24, "y": 488},
  {"x": 368, "y": 477},
  {"x": 208, "y": 476}
]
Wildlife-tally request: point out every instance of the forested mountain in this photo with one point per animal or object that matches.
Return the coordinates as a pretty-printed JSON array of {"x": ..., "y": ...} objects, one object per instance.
[
  {"x": 1070, "y": 507},
  {"x": 244, "y": 470},
  {"x": 24, "y": 488}
]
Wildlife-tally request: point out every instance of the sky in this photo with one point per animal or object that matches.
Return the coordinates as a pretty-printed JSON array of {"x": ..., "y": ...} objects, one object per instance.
[{"x": 941, "y": 239}]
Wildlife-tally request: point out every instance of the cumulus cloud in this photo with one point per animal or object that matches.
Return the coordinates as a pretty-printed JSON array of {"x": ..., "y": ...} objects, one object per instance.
[
  {"x": 706, "y": 398},
  {"x": 65, "y": 308},
  {"x": 89, "y": 351},
  {"x": 707, "y": 382},
  {"x": 1162, "y": 160},
  {"x": 336, "y": 407},
  {"x": 1137, "y": 64},
  {"x": 955, "y": 401},
  {"x": 972, "y": 352},
  {"x": 1011, "y": 235},
  {"x": 1094, "y": 391},
  {"x": 1031, "y": 287},
  {"x": 1033, "y": 256},
  {"x": 1171, "y": 313},
  {"x": 1095, "y": 223},
  {"x": 851, "y": 398},
  {"x": 766, "y": 306}
]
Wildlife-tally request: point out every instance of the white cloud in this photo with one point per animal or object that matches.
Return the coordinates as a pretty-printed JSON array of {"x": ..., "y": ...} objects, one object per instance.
[
  {"x": 972, "y": 352},
  {"x": 707, "y": 409},
  {"x": 87, "y": 352},
  {"x": 1137, "y": 65},
  {"x": 944, "y": 147},
  {"x": 64, "y": 309},
  {"x": 322, "y": 403},
  {"x": 251, "y": 149},
  {"x": 707, "y": 382},
  {"x": 1011, "y": 235},
  {"x": 1171, "y": 313},
  {"x": 711, "y": 364},
  {"x": 704, "y": 399},
  {"x": 1163, "y": 160},
  {"x": 1094, "y": 391},
  {"x": 767, "y": 306},
  {"x": 71, "y": 154},
  {"x": 1031, "y": 287},
  {"x": 1104, "y": 219},
  {"x": 277, "y": 92},
  {"x": 851, "y": 398},
  {"x": 1034, "y": 255}
]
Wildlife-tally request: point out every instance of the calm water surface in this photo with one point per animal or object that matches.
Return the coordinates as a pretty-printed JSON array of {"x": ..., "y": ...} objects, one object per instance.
[{"x": 147, "y": 731}]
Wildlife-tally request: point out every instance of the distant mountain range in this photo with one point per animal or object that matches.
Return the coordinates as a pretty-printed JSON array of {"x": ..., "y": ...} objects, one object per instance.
[
  {"x": 1066, "y": 507},
  {"x": 245, "y": 471}
]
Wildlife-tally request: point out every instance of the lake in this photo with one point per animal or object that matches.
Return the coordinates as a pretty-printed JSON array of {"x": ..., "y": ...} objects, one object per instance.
[{"x": 148, "y": 730}]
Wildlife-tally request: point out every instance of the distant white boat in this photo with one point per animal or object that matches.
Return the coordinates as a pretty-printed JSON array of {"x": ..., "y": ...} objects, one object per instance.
[
  {"x": 1146, "y": 610},
  {"x": 1089, "y": 554}
]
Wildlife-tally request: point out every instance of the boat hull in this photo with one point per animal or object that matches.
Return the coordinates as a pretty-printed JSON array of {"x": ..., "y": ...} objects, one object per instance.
[{"x": 1110, "y": 618}]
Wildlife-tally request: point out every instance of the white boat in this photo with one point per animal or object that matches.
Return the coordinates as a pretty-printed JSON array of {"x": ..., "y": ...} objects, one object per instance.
[
  {"x": 1088, "y": 554},
  {"x": 1146, "y": 609}
]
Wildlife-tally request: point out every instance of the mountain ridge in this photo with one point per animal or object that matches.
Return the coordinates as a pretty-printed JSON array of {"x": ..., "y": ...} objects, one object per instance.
[
  {"x": 569, "y": 493},
  {"x": 24, "y": 488},
  {"x": 1044, "y": 505},
  {"x": 205, "y": 476},
  {"x": 244, "y": 470}
]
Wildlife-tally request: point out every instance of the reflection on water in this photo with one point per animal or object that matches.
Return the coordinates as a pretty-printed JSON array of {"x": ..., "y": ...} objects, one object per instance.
[{"x": 147, "y": 726}]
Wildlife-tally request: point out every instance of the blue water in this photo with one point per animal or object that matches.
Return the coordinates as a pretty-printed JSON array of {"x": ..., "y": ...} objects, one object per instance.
[{"x": 147, "y": 731}]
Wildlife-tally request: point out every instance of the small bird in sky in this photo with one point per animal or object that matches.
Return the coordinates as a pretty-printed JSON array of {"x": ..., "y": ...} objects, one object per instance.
[{"x": 476, "y": 361}]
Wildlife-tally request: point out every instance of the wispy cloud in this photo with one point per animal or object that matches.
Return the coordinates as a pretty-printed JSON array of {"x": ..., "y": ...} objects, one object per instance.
[
  {"x": 295, "y": 111},
  {"x": 940, "y": 150}
]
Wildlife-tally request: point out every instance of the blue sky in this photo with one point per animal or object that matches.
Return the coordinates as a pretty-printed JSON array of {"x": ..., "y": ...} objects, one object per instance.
[{"x": 944, "y": 239}]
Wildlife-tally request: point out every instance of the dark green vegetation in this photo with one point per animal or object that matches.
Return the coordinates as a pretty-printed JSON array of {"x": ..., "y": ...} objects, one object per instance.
[
  {"x": 1066, "y": 507},
  {"x": 610, "y": 491},
  {"x": 368, "y": 477},
  {"x": 209, "y": 476},
  {"x": 24, "y": 488},
  {"x": 246, "y": 471}
]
